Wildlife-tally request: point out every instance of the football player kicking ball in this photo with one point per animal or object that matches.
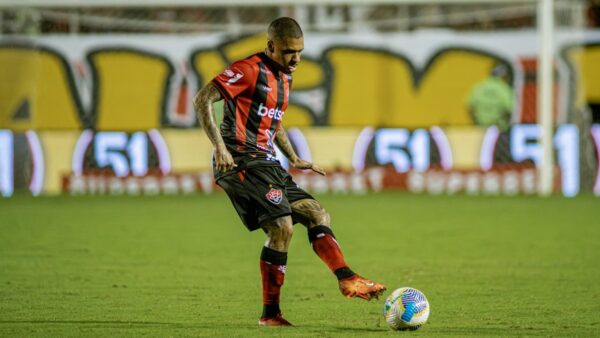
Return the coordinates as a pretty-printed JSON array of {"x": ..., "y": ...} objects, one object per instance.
[{"x": 256, "y": 91}]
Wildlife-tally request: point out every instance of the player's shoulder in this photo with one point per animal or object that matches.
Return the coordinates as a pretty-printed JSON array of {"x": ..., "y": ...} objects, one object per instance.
[{"x": 247, "y": 65}]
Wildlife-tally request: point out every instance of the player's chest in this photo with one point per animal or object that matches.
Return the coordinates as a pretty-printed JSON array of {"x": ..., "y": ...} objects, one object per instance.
[{"x": 272, "y": 90}]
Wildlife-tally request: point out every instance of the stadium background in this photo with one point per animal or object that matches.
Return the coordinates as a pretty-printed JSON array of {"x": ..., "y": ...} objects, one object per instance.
[
  {"x": 96, "y": 99},
  {"x": 112, "y": 225}
]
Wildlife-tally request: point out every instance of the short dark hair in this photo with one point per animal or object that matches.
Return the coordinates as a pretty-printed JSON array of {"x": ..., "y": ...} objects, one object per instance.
[{"x": 283, "y": 28}]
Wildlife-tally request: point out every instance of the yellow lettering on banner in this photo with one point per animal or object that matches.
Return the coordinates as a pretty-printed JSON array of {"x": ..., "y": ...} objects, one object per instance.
[
  {"x": 308, "y": 76},
  {"x": 591, "y": 70},
  {"x": 36, "y": 90},
  {"x": 207, "y": 65},
  {"x": 332, "y": 148},
  {"x": 380, "y": 89},
  {"x": 586, "y": 62},
  {"x": 58, "y": 151},
  {"x": 190, "y": 150},
  {"x": 296, "y": 116},
  {"x": 465, "y": 143},
  {"x": 131, "y": 88},
  {"x": 242, "y": 48}
]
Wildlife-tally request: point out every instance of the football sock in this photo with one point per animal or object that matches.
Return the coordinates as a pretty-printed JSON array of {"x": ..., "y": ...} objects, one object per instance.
[
  {"x": 272, "y": 270},
  {"x": 343, "y": 273},
  {"x": 327, "y": 248}
]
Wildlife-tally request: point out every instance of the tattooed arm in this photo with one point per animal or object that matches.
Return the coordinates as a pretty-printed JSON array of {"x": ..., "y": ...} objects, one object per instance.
[
  {"x": 286, "y": 147},
  {"x": 203, "y": 104}
]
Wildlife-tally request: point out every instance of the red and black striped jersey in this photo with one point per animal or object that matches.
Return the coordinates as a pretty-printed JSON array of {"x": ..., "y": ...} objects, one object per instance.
[{"x": 256, "y": 96}]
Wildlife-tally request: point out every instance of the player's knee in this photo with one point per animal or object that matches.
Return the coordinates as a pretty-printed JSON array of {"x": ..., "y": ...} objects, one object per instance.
[
  {"x": 286, "y": 230},
  {"x": 280, "y": 233},
  {"x": 326, "y": 218},
  {"x": 321, "y": 217},
  {"x": 321, "y": 220}
]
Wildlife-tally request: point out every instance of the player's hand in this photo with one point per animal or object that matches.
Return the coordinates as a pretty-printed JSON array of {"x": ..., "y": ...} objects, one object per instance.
[
  {"x": 223, "y": 160},
  {"x": 302, "y": 164}
]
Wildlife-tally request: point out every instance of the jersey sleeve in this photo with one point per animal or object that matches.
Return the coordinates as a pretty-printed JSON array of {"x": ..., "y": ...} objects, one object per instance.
[{"x": 236, "y": 79}]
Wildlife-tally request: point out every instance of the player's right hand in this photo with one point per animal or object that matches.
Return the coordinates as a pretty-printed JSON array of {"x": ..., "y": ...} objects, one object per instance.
[
  {"x": 303, "y": 164},
  {"x": 223, "y": 160}
]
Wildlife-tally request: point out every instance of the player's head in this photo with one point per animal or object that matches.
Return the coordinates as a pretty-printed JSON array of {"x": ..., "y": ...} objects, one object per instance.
[
  {"x": 285, "y": 43},
  {"x": 500, "y": 71}
]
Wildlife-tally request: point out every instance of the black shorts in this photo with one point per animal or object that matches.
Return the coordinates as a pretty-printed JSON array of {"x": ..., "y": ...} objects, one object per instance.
[{"x": 261, "y": 193}]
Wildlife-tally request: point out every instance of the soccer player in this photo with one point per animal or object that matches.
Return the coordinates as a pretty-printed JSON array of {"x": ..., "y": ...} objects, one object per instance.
[{"x": 256, "y": 91}]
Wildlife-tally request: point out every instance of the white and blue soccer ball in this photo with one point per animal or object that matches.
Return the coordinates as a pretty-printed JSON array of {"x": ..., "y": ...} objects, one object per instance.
[{"x": 406, "y": 309}]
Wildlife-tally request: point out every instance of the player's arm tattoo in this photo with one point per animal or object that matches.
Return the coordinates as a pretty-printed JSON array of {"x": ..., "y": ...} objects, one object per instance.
[
  {"x": 203, "y": 104},
  {"x": 285, "y": 146},
  {"x": 310, "y": 213}
]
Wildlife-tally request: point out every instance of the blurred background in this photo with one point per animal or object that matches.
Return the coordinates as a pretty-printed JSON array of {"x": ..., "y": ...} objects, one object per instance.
[{"x": 425, "y": 96}]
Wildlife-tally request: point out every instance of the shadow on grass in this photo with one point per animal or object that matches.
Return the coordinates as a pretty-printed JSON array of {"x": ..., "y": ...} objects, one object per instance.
[
  {"x": 359, "y": 329},
  {"x": 488, "y": 331},
  {"x": 112, "y": 322},
  {"x": 133, "y": 322},
  {"x": 343, "y": 329}
]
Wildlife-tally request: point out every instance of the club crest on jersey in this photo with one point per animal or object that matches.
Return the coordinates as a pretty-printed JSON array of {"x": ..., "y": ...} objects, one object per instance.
[{"x": 274, "y": 196}]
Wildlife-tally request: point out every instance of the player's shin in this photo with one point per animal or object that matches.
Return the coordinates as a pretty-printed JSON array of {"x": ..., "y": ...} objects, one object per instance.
[
  {"x": 272, "y": 269},
  {"x": 327, "y": 248}
]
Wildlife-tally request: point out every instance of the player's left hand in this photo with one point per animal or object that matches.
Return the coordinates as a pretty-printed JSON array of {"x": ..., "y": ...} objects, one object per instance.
[{"x": 302, "y": 164}]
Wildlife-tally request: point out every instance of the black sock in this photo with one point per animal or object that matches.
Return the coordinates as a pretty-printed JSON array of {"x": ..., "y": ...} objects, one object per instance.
[
  {"x": 270, "y": 310},
  {"x": 343, "y": 273},
  {"x": 273, "y": 257}
]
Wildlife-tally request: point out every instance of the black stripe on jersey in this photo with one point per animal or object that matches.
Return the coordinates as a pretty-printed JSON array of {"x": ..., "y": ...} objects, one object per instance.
[
  {"x": 228, "y": 124},
  {"x": 280, "y": 99},
  {"x": 220, "y": 88},
  {"x": 259, "y": 96}
]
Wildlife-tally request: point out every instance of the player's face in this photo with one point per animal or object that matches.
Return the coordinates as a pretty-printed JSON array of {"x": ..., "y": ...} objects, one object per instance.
[{"x": 287, "y": 53}]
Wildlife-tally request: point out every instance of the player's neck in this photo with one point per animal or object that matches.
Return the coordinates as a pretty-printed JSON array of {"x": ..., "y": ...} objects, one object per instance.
[{"x": 272, "y": 63}]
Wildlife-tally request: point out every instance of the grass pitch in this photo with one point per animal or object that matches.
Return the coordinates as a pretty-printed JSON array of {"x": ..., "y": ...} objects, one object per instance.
[{"x": 185, "y": 266}]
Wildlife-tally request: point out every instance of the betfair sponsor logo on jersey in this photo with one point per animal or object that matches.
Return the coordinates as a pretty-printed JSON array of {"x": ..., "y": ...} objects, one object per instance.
[{"x": 273, "y": 113}]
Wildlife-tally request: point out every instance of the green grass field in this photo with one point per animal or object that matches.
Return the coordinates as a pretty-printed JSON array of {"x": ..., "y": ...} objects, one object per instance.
[{"x": 185, "y": 266}]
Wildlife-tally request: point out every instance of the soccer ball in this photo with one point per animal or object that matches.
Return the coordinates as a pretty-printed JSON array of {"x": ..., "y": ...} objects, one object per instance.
[{"x": 406, "y": 309}]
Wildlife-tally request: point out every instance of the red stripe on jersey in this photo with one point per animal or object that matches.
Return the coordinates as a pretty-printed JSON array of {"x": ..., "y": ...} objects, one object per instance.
[
  {"x": 286, "y": 92},
  {"x": 265, "y": 123}
]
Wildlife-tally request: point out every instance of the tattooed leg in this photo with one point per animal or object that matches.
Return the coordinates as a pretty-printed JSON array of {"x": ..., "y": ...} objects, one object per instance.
[{"x": 310, "y": 213}]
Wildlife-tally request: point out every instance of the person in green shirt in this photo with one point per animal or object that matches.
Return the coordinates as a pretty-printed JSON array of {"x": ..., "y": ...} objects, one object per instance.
[{"x": 491, "y": 100}]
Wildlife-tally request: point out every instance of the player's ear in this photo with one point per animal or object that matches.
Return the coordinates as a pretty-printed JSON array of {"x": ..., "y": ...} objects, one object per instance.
[{"x": 270, "y": 46}]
